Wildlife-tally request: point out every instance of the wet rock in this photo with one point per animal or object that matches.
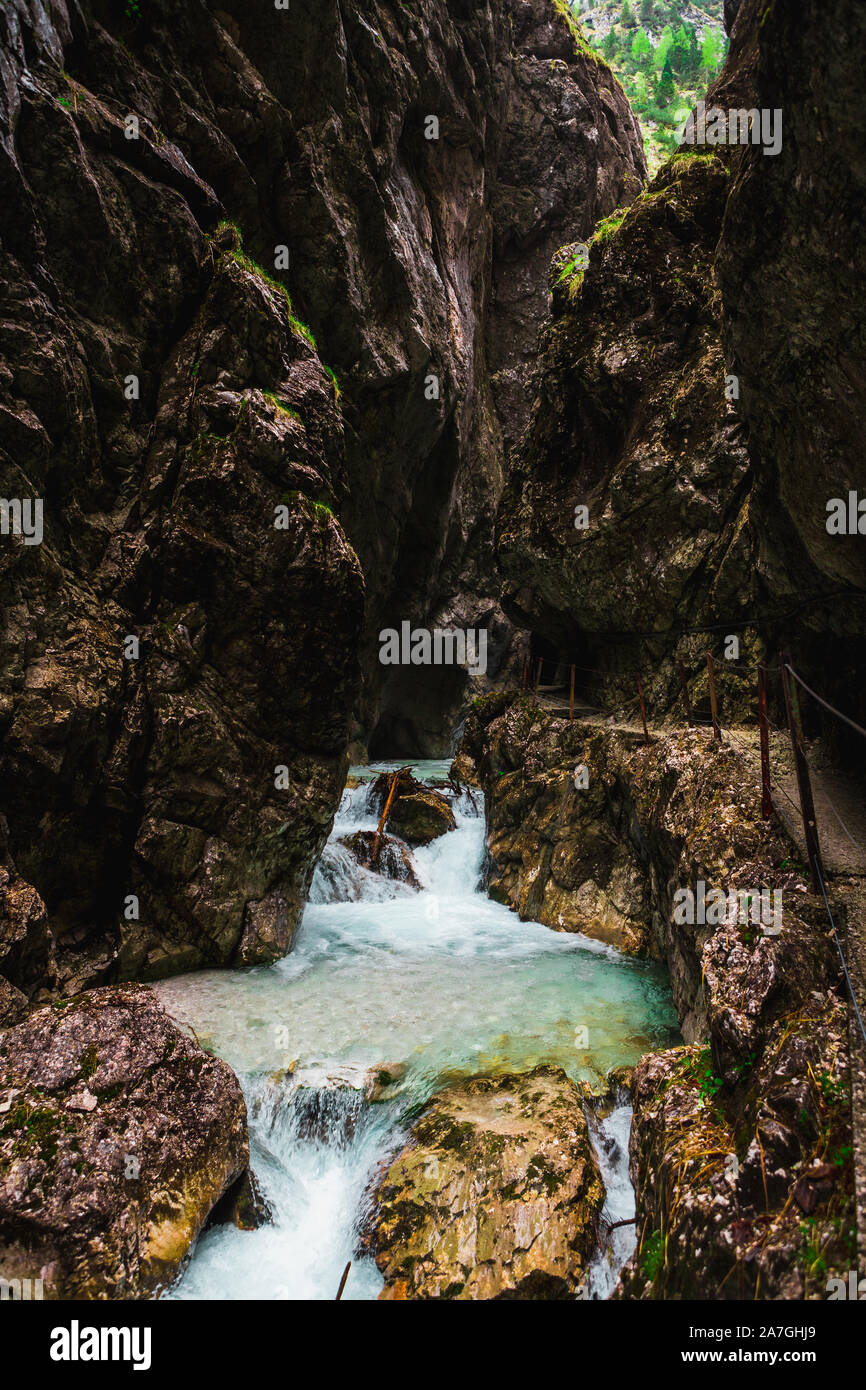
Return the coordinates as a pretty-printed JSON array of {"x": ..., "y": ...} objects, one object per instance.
[
  {"x": 327, "y": 1100},
  {"x": 393, "y": 859},
  {"x": 420, "y": 817},
  {"x": 496, "y": 1194},
  {"x": 418, "y": 813},
  {"x": 244, "y": 1205},
  {"x": 724, "y": 1173},
  {"x": 27, "y": 948},
  {"x": 122, "y": 1135}
]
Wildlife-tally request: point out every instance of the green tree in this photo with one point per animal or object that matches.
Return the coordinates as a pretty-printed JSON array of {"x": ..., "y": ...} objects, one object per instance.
[
  {"x": 627, "y": 19},
  {"x": 667, "y": 86},
  {"x": 710, "y": 50},
  {"x": 646, "y": 11},
  {"x": 639, "y": 92},
  {"x": 679, "y": 51},
  {"x": 694, "y": 59},
  {"x": 663, "y": 47},
  {"x": 641, "y": 48},
  {"x": 611, "y": 45}
]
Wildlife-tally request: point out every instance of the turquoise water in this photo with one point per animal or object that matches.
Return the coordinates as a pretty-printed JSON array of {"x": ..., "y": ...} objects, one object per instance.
[{"x": 441, "y": 982}]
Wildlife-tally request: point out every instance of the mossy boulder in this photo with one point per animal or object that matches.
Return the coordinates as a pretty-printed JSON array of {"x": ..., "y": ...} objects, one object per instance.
[
  {"x": 496, "y": 1194},
  {"x": 418, "y": 814},
  {"x": 421, "y": 817},
  {"x": 393, "y": 859},
  {"x": 118, "y": 1137}
]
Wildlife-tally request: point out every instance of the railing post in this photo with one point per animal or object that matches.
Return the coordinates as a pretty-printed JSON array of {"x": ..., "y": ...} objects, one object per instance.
[
  {"x": 714, "y": 704},
  {"x": 688, "y": 704},
  {"x": 538, "y": 674},
  {"x": 571, "y": 698},
  {"x": 763, "y": 724},
  {"x": 646, "y": 737},
  {"x": 804, "y": 783}
]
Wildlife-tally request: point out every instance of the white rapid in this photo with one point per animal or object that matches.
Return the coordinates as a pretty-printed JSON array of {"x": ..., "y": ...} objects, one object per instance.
[
  {"x": 444, "y": 982},
  {"x": 610, "y": 1138}
]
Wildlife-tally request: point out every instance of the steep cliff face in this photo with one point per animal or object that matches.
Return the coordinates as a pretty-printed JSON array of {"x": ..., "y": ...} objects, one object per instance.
[
  {"x": 792, "y": 275},
  {"x": 183, "y": 190},
  {"x": 536, "y": 142},
  {"x": 699, "y": 392}
]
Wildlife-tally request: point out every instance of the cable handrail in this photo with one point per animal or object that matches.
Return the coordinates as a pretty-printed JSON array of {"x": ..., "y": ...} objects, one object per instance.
[{"x": 821, "y": 701}]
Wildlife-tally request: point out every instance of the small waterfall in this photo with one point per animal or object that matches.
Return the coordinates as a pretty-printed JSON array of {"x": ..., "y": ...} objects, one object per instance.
[
  {"x": 387, "y": 979},
  {"x": 610, "y": 1137}
]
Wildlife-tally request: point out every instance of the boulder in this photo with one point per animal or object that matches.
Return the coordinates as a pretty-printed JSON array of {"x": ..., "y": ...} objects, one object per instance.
[
  {"x": 244, "y": 1205},
  {"x": 421, "y": 817},
  {"x": 496, "y": 1194},
  {"x": 392, "y": 861},
  {"x": 418, "y": 813},
  {"x": 118, "y": 1136},
  {"x": 13, "y": 1004}
]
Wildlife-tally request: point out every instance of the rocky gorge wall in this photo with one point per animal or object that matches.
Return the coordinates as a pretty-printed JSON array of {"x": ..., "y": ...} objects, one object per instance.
[
  {"x": 740, "y": 1151},
  {"x": 231, "y": 260},
  {"x": 698, "y": 390}
]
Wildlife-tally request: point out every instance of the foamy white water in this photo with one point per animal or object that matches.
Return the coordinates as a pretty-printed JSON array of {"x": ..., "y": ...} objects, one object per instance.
[
  {"x": 610, "y": 1138},
  {"x": 444, "y": 982}
]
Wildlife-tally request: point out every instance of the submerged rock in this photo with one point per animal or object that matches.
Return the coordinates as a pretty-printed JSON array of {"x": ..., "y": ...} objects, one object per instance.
[
  {"x": 244, "y": 1205},
  {"x": 327, "y": 1099},
  {"x": 118, "y": 1136},
  {"x": 496, "y": 1194},
  {"x": 392, "y": 861}
]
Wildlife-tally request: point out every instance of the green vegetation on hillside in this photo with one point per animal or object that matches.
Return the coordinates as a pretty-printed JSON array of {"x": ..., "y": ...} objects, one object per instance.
[{"x": 664, "y": 52}]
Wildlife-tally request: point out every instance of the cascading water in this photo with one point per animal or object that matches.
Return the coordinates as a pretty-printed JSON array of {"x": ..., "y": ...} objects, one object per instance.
[{"x": 424, "y": 986}]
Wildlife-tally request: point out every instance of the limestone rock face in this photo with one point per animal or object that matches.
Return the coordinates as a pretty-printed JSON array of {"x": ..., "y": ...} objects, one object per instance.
[
  {"x": 794, "y": 331},
  {"x": 118, "y": 1136},
  {"x": 737, "y": 1182},
  {"x": 496, "y": 1194},
  {"x": 631, "y": 423},
  {"x": 700, "y": 393}
]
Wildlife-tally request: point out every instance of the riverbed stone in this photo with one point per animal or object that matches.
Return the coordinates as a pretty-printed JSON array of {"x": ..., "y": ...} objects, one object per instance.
[
  {"x": 421, "y": 817},
  {"x": 394, "y": 860},
  {"x": 418, "y": 814},
  {"x": 495, "y": 1195},
  {"x": 118, "y": 1136}
]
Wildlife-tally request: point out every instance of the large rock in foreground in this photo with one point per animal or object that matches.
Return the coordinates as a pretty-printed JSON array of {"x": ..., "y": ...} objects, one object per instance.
[
  {"x": 118, "y": 1136},
  {"x": 496, "y": 1194}
]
